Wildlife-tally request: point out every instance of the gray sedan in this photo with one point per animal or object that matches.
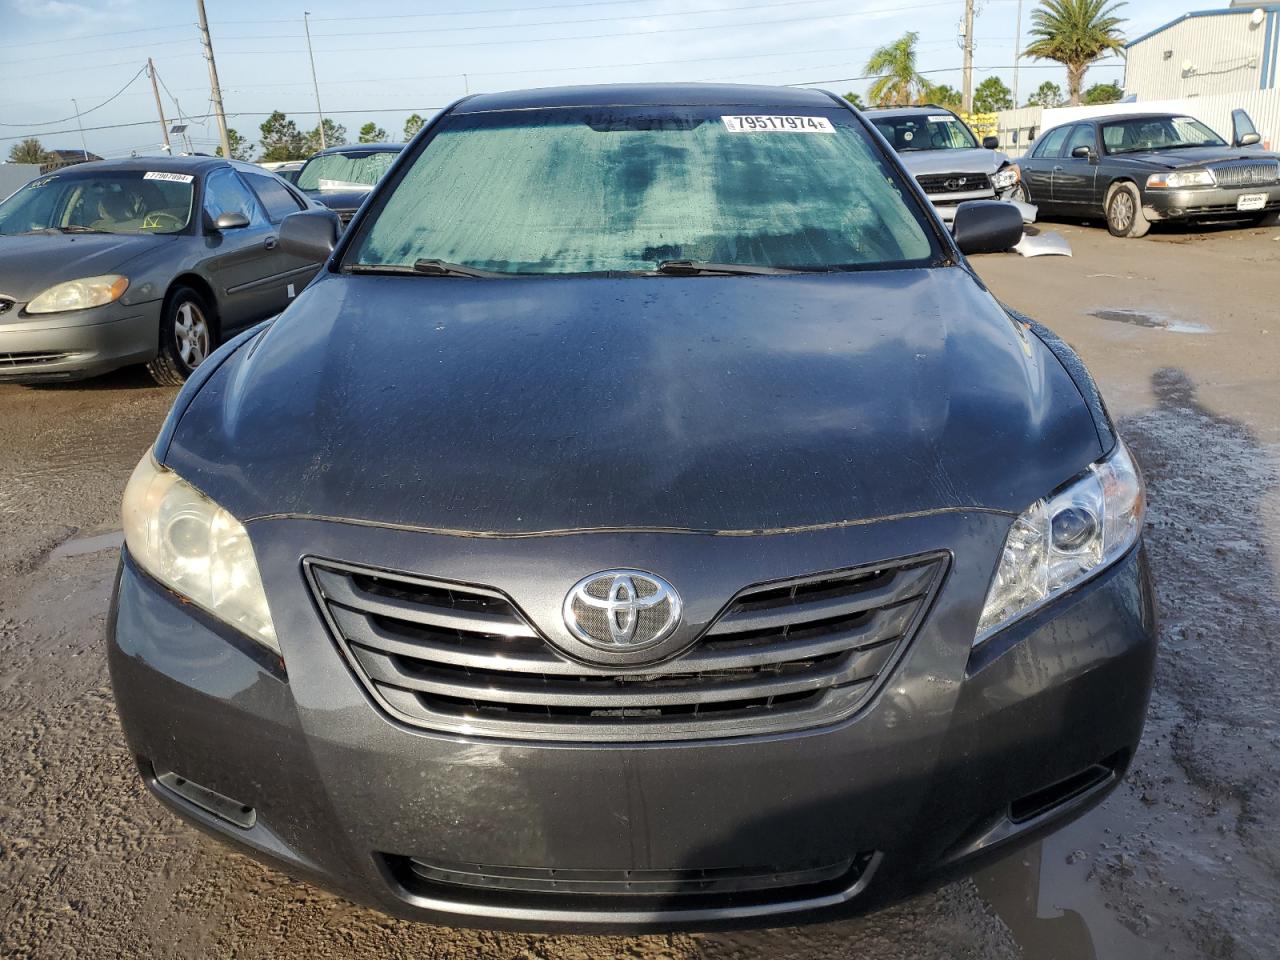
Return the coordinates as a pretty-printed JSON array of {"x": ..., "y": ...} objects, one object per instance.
[{"x": 151, "y": 260}]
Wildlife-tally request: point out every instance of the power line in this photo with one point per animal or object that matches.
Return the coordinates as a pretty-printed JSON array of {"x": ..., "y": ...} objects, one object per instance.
[{"x": 81, "y": 113}]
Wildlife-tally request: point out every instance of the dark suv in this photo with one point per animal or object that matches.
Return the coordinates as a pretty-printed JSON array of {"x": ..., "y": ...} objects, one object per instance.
[{"x": 617, "y": 536}]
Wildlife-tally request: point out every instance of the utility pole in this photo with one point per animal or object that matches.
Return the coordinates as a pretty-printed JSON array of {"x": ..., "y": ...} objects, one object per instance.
[
  {"x": 967, "y": 102},
  {"x": 164, "y": 126},
  {"x": 215, "y": 89},
  {"x": 306, "y": 26},
  {"x": 1017, "y": 54},
  {"x": 83, "y": 145}
]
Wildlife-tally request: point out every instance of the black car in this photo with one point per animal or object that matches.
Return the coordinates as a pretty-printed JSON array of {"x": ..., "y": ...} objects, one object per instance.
[
  {"x": 646, "y": 520},
  {"x": 1138, "y": 168},
  {"x": 341, "y": 177},
  {"x": 150, "y": 260}
]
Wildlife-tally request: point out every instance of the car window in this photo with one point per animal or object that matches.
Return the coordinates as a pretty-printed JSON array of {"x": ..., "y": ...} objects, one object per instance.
[
  {"x": 1081, "y": 136},
  {"x": 115, "y": 201},
  {"x": 1051, "y": 143},
  {"x": 1157, "y": 133},
  {"x": 225, "y": 193},
  {"x": 590, "y": 190},
  {"x": 935, "y": 131},
  {"x": 347, "y": 170},
  {"x": 275, "y": 196}
]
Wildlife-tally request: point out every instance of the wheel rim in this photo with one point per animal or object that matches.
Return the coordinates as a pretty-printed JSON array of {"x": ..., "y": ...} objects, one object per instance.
[
  {"x": 191, "y": 334},
  {"x": 1122, "y": 210}
]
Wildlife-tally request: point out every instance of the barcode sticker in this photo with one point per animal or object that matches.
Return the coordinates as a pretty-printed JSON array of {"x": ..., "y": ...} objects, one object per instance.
[
  {"x": 765, "y": 124},
  {"x": 941, "y": 118},
  {"x": 172, "y": 177}
]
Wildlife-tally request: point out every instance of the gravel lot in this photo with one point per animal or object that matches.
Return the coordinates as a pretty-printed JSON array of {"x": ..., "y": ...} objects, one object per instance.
[{"x": 1183, "y": 861}]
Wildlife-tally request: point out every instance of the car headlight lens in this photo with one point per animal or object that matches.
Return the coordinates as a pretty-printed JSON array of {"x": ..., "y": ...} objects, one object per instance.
[
  {"x": 1007, "y": 177},
  {"x": 1060, "y": 541},
  {"x": 1181, "y": 178},
  {"x": 195, "y": 548},
  {"x": 80, "y": 294}
]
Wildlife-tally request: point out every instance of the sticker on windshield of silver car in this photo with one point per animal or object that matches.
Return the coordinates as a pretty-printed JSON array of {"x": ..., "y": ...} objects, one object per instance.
[
  {"x": 942, "y": 118},
  {"x": 173, "y": 177},
  {"x": 768, "y": 124}
]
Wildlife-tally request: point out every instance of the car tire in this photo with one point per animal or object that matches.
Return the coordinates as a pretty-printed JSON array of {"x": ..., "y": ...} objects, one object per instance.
[
  {"x": 187, "y": 336},
  {"x": 1269, "y": 219},
  {"x": 1124, "y": 212}
]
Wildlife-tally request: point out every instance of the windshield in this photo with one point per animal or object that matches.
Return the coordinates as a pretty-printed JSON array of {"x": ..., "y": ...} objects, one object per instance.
[
  {"x": 1157, "y": 133},
  {"x": 126, "y": 202},
  {"x": 353, "y": 170},
  {"x": 940, "y": 131},
  {"x": 624, "y": 189}
]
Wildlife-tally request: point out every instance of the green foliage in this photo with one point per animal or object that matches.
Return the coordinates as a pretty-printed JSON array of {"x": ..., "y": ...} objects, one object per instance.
[
  {"x": 372, "y": 133},
  {"x": 241, "y": 149},
  {"x": 1048, "y": 94},
  {"x": 1075, "y": 33},
  {"x": 412, "y": 126},
  {"x": 1103, "y": 93},
  {"x": 29, "y": 150},
  {"x": 945, "y": 95},
  {"x": 282, "y": 140},
  {"x": 897, "y": 82},
  {"x": 855, "y": 99},
  {"x": 335, "y": 135},
  {"x": 992, "y": 95}
]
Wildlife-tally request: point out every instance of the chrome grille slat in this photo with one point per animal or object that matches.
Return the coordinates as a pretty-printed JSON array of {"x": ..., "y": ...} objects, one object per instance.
[
  {"x": 1244, "y": 173},
  {"x": 781, "y": 655}
]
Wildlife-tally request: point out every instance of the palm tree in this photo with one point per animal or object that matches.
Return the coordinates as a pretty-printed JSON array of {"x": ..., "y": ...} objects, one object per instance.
[
  {"x": 1075, "y": 33},
  {"x": 898, "y": 83},
  {"x": 28, "y": 151}
]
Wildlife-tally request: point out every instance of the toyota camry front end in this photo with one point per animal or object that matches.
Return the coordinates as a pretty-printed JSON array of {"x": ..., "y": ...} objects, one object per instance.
[{"x": 646, "y": 521}]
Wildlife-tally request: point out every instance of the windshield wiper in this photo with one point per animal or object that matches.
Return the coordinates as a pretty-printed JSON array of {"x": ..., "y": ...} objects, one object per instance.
[
  {"x": 77, "y": 228},
  {"x": 694, "y": 268},
  {"x": 424, "y": 268}
]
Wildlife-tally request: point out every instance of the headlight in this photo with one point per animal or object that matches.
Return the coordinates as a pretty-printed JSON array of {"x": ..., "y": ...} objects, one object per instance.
[
  {"x": 1181, "y": 178},
  {"x": 1058, "y": 542},
  {"x": 195, "y": 548},
  {"x": 1007, "y": 177},
  {"x": 80, "y": 294}
]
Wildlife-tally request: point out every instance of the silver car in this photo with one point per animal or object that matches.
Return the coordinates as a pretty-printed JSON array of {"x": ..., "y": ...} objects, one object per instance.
[{"x": 150, "y": 260}]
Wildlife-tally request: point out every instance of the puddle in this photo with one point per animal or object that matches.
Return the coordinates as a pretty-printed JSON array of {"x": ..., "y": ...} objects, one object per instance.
[
  {"x": 1152, "y": 321},
  {"x": 82, "y": 545}
]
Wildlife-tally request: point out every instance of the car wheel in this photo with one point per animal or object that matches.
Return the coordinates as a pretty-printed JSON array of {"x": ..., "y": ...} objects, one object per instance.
[
  {"x": 186, "y": 337},
  {"x": 1269, "y": 219},
  {"x": 1124, "y": 212}
]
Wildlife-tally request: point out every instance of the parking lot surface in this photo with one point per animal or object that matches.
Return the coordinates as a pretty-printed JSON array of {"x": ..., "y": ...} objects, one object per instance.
[{"x": 1181, "y": 331}]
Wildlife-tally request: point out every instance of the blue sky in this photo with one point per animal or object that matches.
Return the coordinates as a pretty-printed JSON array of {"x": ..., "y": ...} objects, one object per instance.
[{"x": 384, "y": 60}]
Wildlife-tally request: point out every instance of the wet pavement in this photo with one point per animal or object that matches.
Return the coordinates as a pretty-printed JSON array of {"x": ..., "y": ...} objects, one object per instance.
[{"x": 1183, "y": 860}]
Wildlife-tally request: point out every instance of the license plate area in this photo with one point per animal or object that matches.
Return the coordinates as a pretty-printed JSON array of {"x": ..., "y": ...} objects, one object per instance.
[{"x": 1251, "y": 201}]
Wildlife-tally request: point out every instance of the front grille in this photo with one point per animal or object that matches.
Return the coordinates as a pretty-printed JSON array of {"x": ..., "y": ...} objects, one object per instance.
[
  {"x": 935, "y": 183},
  {"x": 781, "y": 656},
  {"x": 677, "y": 889},
  {"x": 30, "y": 359},
  {"x": 1246, "y": 173}
]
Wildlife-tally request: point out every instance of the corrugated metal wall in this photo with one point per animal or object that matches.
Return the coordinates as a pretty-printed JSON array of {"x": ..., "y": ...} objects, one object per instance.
[{"x": 1203, "y": 55}]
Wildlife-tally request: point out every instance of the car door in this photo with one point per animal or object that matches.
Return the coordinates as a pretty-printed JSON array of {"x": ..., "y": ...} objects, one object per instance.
[
  {"x": 241, "y": 262},
  {"x": 291, "y": 272},
  {"x": 1037, "y": 169},
  {"x": 1073, "y": 177}
]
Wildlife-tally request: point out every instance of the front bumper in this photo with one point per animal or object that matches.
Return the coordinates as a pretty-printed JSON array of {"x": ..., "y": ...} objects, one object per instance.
[
  {"x": 930, "y": 778},
  {"x": 1206, "y": 202},
  {"x": 76, "y": 344}
]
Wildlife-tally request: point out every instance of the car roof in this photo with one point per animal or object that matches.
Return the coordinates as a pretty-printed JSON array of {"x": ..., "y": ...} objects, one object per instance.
[
  {"x": 645, "y": 94},
  {"x": 361, "y": 147},
  {"x": 160, "y": 164},
  {"x": 924, "y": 109},
  {"x": 1112, "y": 117}
]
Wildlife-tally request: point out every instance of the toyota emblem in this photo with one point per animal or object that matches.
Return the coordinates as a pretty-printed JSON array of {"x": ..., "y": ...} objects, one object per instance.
[{"x": 622, "y": 610}]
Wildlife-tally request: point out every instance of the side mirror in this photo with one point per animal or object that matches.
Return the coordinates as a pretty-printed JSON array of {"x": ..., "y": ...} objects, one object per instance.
[
  {"x": 1082, "y": 152},
  {"x": 231, "y": 221},
  {"x": 310, "y": 234},
  {"x": 1249, "y": 139},
  {"x": 991, "y": 143},
  {"x": 986, "y": 226},
  {"x": 1243, "y": 132}
]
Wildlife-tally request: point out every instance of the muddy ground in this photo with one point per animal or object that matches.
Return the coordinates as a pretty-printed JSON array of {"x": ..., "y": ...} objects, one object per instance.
[{"x": 1183, "y": 860}]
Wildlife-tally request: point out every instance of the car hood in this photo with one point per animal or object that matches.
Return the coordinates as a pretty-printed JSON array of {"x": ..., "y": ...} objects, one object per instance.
[
  {"x": 343, "y": 200},
  {"x": 978, "y": 160},
  {"x": 32, "y": 262},
  {"x": 1196, "y": 156},
  {"x": 529, "y": 405}
]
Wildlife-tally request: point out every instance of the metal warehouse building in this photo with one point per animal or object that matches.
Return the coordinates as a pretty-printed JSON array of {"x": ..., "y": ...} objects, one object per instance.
[{"x": 1206, "y": 52}]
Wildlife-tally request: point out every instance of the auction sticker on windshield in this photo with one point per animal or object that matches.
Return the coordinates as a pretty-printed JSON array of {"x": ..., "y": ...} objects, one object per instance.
[
  {"x": 765, "y": 124},
  {"x": 172, "y": 177},
  {"x": 942, "y": 118}
]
